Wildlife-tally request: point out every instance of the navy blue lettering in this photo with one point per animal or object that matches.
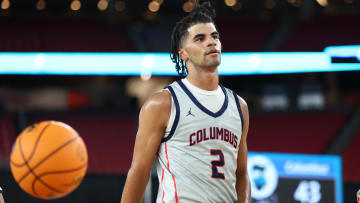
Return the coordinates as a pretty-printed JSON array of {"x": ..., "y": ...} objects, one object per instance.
[{"x": 217, "y": 163}]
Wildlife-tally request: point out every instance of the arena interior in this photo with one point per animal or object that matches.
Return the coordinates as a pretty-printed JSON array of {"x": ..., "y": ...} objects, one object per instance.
[{"x": 292, "y": 112}]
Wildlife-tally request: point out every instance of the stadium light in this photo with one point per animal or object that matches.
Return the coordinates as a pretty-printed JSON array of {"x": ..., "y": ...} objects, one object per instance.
[
  {"x": 322, "y": 3},
  {"x": 343, "y": 51},
  {"x": 102, "y": 5},
  {"x": 154, "y": 6},
  {"x": 250, "y": 63},
  {"x": 120, "y": 6},
  {"x": 188, "y": 6},
  {"x": 40, "y": 5},
  {"x": 75, "y": 5},
  {"x": 230, "y": 3},
  {"x": 5, "y": 4}
]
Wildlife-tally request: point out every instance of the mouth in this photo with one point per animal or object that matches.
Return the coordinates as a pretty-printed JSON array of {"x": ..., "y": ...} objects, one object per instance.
[{"x": 212, "y": 52}]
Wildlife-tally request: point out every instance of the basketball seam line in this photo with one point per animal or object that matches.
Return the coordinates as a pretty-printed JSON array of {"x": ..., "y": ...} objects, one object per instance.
[
  {"x": 34, "y": 149},
  {"x": 63, "y": 171},
  {"x": 38, "y": 164},
  {"x": 53, "y": 172},
  {"x": 51, "y": 188}
]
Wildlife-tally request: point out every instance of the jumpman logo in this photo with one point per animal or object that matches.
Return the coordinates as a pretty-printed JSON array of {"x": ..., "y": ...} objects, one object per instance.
[{"x": 189, "y": 113}]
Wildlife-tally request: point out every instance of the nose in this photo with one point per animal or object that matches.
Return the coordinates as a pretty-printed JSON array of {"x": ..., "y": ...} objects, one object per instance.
[{"x": 211, "y": 41}]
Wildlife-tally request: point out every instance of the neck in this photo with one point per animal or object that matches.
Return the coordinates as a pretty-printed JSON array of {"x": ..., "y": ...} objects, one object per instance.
[{"x": 204, "y": 78}]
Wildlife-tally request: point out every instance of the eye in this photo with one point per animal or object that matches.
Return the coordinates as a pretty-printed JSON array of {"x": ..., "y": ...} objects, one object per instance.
[
  {"x": 200, "y": 39},
  {"x": 216, "y": 36}
]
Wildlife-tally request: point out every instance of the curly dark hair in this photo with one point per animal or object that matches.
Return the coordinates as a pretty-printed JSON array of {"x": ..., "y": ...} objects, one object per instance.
[{"x": 202, "y": 13}]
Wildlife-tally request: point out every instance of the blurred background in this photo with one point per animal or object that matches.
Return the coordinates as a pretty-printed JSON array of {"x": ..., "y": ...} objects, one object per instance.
[{"x": 306, "y": 113}]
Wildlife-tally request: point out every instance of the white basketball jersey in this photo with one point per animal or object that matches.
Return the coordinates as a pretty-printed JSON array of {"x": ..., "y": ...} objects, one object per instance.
[{"x": 197, "y": 158}]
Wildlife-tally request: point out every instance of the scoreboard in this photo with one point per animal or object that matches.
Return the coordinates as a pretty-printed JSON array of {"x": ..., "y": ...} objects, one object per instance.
[{"x": 295, "y": 178}]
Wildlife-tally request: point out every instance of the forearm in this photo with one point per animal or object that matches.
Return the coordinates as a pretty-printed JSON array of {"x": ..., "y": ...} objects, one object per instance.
[
  {"x": 135, "y": 185},
  {"x": 243, "y": 189}
]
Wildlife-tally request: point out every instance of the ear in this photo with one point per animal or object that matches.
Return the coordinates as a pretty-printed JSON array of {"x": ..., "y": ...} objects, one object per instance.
[{"x": 183, "y": 55}]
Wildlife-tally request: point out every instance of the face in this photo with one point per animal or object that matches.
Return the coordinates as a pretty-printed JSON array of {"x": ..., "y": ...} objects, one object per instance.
[{"x": 202, "y": 46}]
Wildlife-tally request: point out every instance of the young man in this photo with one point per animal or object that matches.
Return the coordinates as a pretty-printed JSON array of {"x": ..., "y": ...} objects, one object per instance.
[{"x": 195, "y": 128}]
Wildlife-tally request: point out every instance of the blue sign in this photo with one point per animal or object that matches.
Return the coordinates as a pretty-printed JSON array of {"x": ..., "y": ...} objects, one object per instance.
[{"x": 277, "y": 177}]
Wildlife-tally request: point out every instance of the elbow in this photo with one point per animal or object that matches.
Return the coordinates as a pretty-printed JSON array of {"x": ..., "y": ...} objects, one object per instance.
[{"x": 139, "y": 170}]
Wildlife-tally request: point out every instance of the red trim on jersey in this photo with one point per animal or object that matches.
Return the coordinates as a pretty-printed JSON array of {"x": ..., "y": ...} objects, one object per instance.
[
  {"x": 162, "y": 179},
  {"x": 168, "y": 166},
  {"x": 176, "y": 197},
  {"x": 167, "y": 158}
]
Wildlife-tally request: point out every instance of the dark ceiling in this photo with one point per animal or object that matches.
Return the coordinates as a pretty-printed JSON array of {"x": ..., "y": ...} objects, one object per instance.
[{"x": 138, "y": 9}]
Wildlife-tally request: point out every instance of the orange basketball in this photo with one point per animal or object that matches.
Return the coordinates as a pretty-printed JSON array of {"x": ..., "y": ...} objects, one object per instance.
[{"x": 49, "y": 160}]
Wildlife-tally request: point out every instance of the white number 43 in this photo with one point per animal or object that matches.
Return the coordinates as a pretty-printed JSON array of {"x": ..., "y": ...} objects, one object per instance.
[{"x": 308, "y": 192}]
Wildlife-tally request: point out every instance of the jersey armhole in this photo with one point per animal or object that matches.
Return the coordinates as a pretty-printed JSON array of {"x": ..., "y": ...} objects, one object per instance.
[
  {"x": 177, "y": 115},
  {"x": 239, "y": 109}
]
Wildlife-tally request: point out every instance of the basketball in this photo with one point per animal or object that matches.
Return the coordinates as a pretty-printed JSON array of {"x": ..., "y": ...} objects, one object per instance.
[{"x": 48, "y": 160}]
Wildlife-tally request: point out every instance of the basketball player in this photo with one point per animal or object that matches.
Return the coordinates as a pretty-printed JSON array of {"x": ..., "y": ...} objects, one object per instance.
[{"x": 195, "y": 128}]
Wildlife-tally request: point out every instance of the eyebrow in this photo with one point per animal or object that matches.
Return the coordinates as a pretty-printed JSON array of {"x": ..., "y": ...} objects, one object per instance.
[
  {"x": 215, "y": 33},
  {"x": 202, "y": 35}
]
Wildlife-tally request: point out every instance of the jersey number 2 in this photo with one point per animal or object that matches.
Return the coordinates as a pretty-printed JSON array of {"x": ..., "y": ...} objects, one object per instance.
[{"x": 217, "y": 163}]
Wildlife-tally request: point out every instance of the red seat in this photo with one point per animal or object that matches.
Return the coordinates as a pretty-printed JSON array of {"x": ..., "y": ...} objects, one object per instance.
[
  {"x": 294, "y": 132},
  {"x": 63, "y": 36},
  {"x": 244, "y": 35},
  {"x": 319, "y": 33},
  {"x": 109, "y": 140},
  {"x": 351, "y": 163},
  {"x": 7, "y": 138}
]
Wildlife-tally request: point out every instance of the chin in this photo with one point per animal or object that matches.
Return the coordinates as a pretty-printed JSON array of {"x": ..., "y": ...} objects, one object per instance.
[{"x": 214, "y": 63}]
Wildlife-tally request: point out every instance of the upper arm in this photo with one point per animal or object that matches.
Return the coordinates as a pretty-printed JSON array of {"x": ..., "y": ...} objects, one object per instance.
[
  {"x": 153, "y": 119},
  {"x": 242, "y": 153}
]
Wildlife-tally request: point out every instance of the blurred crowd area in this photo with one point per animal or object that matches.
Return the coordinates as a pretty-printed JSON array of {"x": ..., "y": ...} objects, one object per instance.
[
  {"x": 126, "y": 94},
  {"x": 314, "y": 113},
  {"x": 145, "y": 26}
]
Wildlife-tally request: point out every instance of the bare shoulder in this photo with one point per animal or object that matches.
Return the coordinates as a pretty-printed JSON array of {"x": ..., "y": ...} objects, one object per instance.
[
  {"x": 160, "y": 99},
  {"x": 157, "y": 107},
  {"x": 243, "y": 105},
  {"x": 245, "y": 113},
  {"x": 242, "y": 101}
]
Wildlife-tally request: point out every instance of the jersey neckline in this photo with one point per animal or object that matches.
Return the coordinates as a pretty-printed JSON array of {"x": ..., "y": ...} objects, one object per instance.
[
  {"x": 200, "y": 106},
  {"x": 198, "y": 90}
]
